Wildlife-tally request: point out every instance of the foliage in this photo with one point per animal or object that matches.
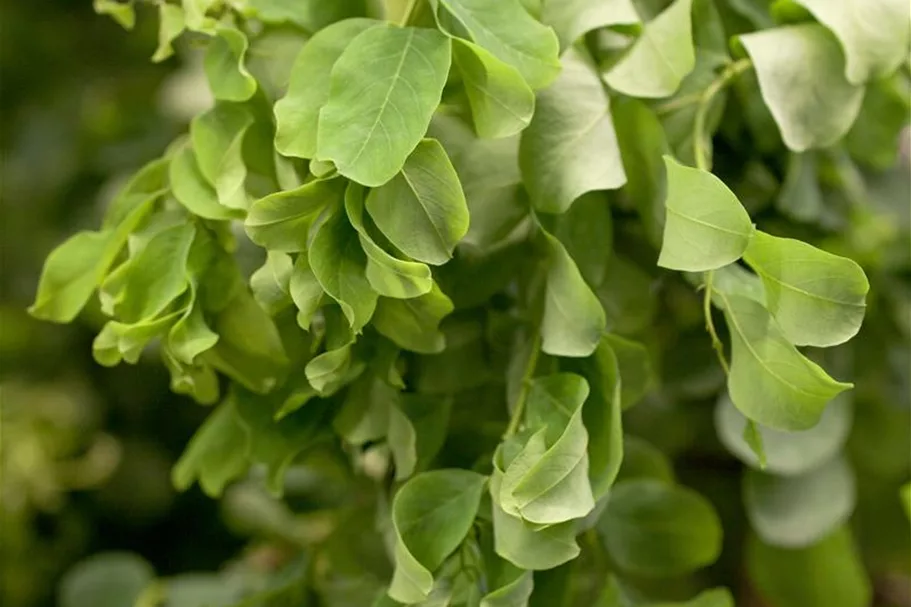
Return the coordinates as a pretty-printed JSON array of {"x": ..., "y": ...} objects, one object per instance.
[{"x": 491, "y": 259}]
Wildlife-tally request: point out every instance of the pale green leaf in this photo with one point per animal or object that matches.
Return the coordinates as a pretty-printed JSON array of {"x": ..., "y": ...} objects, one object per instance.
[
  {"x": 171, "y": 24},
  {"x": 149, "y": 182},
  {"x": 797, "y": 511},
  {"x": 121, "y": 12},
  {"x": 228, "y": 77},
  {"x": 339, "y": 264},
  {"x": 573, "y": 18},
  {"x": 829, "y": 572},
  {"x": 875, "y": 34},
  {"x": 801, "y": 197},
  {"x": 388, "y": 275},
  {"x": 402, "y": 441},
  {"x": 77, "y": 267},
  {"x": 282, "y": 221},
  {"x": 271, "y": 282},
  {"x": 217, "y": 137},
  {"x": 297, "y": 113},
  {"x": 510, "y": 34},
  {"x": 530, "y": 546},
  {"x": 157, "y": 275},
  {"x": 375, "y": 118},
  {"x": 802, "y": 81},
  {"x": 501, "y": 102},
  {"x": 512, "y": 587},
  {"x": 660, "y": 58},
  {"x": 106, "y": 579},
  {"x": 817, "y": 298},
  {"x": 573, "y": 317},
  {"x": 770, "y": 381},
  {"x": 706, "y": 226},
  {"x": 431, "y": 515},
  {"x": 328, "y": 371},
  {"x": 413, "y": 324},
  {"x": 191, "y": 336},
  {"x": 191, "y": 189},
  {"x": 305, "y": 290},
  {"x": 547, "y": 482},
  {"x": 125, "y": 341},
  {"x": 642, "y": 459},
  {"x": 422, "y": 210},
  {"x": 570, "y": 147},
  {"x": 654, "y": 529}
]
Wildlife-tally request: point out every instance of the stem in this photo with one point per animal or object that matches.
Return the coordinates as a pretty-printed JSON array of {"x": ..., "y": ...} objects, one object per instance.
[
  {"x": 519, "y": 409},
  {"x": 703, "y": 156},
  {"x": 710, "y": 324}
]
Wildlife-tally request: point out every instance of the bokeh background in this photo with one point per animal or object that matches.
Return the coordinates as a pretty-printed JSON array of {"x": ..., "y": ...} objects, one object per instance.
[{"x": 87, "y": 451}]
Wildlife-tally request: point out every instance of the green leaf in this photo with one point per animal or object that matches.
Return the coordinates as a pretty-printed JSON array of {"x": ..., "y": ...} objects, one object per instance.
[
  {"x": 489, "y": 172},
  {"x": 126, "y": 341},
  {"x": 547, "y": 482},
  {"x": 191, "y": 189},
  {"x": 217, "y": 137},
  {"x": 770, "y": 381},
  {"x": 305, "y": 291},
  {"x": 311, "y": 15},
  {"x": 422, "y": 210},
  {"x": 787, "y": 453},
  {"x": 873, "y": 33},
  {"x": 271, "y": 283},
  {"x": 874, "y": 140},
  {"x": 802, "y": 81},
  {"x": 511, "y": 587},
  {"x": 250, "y": 349},
  {"x": 570, "y": 147},
  {"x": 501, "y": 102},
  {"x": 106, "y": 579},
  {"x": 642, "y": 144},
  {"x": 150, "y": 182},
  {"x": 509, "y": 33},
  {"x": 573, "y": 18},
  {"x": 413, "y": 324},
  {"x": 297, "y": 113},
  {"x": 717, "y": 597},
  {"x": 660, "y": 58},
  {"x": 282, "y": 221},
  {"x": 157, "y": 275},
  {"x": 217, "y": 453},
  {"x": 75, "y": 268},
  {"x": 573, "y": 318},
  {"x": 389, "y": 276},
  {"x": 196, "y": 14},
  {"x": 635, "y": 366},
  {"x": 228, "y": 77},
  {"x": 374, "y": 119},
  {"x": 906, "y": 498},
  {"x": 706, "y": 226},
  {"x": 530, "y": 546},
  {"x": 586, "y": 231},
  {"x": 339, "y": 264},
  {"x": 432, "y": 513},
  {"x": 801, "y": 197},
  {"x": 817, "y": 298},
  {"x": 654, "y": 529},
  {"x": 171, "y": 25},
  {"x": 601, "y": 417},
  {"x": 797, "y": 511},
  {"x": 641, "y": 460},
  {"x": 121, "y": 12},
  {"x": 191, "y": 336},
  {"x": 827, "y": 573}
]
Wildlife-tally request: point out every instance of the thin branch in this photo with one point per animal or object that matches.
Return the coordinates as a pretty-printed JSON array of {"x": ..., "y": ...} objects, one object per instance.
[{"x": 703, "y": 156}]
